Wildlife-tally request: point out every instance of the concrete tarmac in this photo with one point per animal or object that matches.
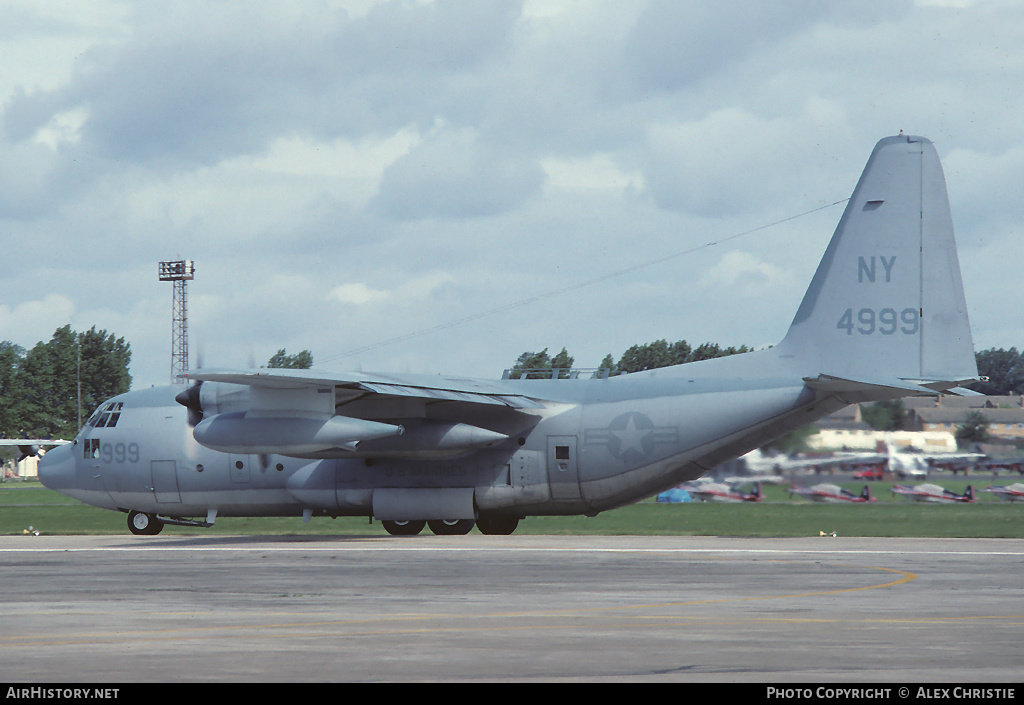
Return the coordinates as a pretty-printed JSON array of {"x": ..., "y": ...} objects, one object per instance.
[{"x": 519, "y": 608}]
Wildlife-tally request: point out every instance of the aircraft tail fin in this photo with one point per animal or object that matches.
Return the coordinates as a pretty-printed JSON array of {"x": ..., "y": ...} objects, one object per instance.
[
  {"x": 885, "y": 313},
  {"x": 969, "y": 493},
  {"x": 865, "y": 494}
]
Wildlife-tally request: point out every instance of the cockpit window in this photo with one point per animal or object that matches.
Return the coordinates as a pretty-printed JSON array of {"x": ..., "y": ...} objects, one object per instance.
[{"x": 106, "y": 416}]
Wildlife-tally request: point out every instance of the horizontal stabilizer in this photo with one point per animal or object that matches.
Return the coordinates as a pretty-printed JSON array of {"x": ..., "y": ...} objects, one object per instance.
[
  {"x": 880, "y": 389},
  {"x": 963, "y": 392}
]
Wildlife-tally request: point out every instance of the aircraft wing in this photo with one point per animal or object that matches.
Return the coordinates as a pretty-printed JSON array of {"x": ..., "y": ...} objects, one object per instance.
[
  {"x": 30, "y": 446},
  {"x": 951, "y": 456},
  {"x": 313, "y": 414},
  {"x": 838, "y": 459},
  {"x": 32, "y": 442},
  {"x": 1003, "y": 464},
  {"x": 357, "y": 384}
]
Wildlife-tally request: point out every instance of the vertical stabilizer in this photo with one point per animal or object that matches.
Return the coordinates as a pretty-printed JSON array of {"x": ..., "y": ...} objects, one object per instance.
[{"x": 887, "y": 302}]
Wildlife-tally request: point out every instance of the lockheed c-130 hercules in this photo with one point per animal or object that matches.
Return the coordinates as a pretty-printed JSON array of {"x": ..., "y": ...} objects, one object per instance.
[{"x": 884, "y": 317}]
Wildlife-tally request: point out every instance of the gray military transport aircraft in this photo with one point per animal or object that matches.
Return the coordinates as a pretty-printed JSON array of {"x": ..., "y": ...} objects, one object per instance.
[{"x": 884, "y": 317}]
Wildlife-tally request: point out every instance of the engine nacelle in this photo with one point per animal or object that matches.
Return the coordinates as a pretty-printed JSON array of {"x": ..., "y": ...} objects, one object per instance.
[
  {"x": 423, "y": 439},
  {"x": 242, "y": 432},
  {"x": 207, "y": 399}
]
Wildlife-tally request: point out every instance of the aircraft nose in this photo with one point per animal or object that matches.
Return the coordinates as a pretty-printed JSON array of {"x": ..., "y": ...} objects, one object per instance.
[{"x": 57, "y": 468}]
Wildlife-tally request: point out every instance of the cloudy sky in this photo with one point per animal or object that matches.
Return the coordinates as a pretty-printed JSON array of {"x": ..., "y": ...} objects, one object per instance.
[{"x": 438, "y": 186}]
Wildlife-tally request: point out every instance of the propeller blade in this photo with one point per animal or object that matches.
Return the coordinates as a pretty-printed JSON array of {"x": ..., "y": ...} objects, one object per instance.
[{"x": 190, "y": 399}]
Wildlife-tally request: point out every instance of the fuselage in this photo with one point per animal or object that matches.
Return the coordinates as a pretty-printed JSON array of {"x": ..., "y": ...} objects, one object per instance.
[{"x": 593, "y": 445}]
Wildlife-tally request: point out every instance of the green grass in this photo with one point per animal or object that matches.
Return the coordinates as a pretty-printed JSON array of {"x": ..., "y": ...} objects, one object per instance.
[{"x": 29, "y": 504}]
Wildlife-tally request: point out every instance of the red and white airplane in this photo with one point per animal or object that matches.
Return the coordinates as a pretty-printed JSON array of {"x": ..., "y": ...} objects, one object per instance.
[
  {"x": 1011, "y": 493},
  {"x": 721, "y": 492},
  {"x": 826, "y": 492},
  {"x": 933, "y": 493},
  {"x": 994, "y": 465}
]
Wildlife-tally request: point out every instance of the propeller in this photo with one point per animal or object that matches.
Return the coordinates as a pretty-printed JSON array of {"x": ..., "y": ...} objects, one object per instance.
[
  {"x": 190, "y": 399},
  {"x": 27, "y": 451}
]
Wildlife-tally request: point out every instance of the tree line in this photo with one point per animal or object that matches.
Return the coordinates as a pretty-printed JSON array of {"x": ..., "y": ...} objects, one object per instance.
[
  {"x": 299, "y": 361},
  {"x": 637, "y": 358},
  {"x": 1002, "y": 370},
  {"x": 48, "y": 391}
]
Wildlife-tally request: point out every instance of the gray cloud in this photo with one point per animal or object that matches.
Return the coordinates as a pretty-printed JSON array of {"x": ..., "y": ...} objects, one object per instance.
[
  {"x": 452, "y": 175},
  {"x": 346, "y": 172}
]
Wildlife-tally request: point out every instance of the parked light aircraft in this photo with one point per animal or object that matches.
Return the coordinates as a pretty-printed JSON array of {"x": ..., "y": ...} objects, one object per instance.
[
  {"x": 994, "y": 465},
  {"x": 722, "y": 492},
  {"x": 884, "y": 317},
  {"x": 827, "y": 492},
  {"x": 933, "y": 493},
  {"x": 906, "y": 464},
  {"x": 900, "y": 462},
  {"x": 1010, "y": 493}
]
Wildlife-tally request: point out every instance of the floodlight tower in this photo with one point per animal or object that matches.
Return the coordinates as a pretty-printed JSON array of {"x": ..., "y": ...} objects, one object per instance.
[{"x": 179, "y": 272}]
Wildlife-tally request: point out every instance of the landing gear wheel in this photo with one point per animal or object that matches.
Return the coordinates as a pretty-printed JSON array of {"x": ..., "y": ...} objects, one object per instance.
[
  {"x": 451, "y": 527},
  {"x": 144, "y": 524},
  {"x": 497, "y": 526},
  {"x": 404, "y": 528}
]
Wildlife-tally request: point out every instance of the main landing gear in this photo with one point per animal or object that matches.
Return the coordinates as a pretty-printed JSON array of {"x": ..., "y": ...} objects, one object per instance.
[
  {"x": 456, "y": 527},
  {"x": 144, "y": 524},
  {"x": 498, "y": 526},
  {"x": 403, "y": 528}
]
